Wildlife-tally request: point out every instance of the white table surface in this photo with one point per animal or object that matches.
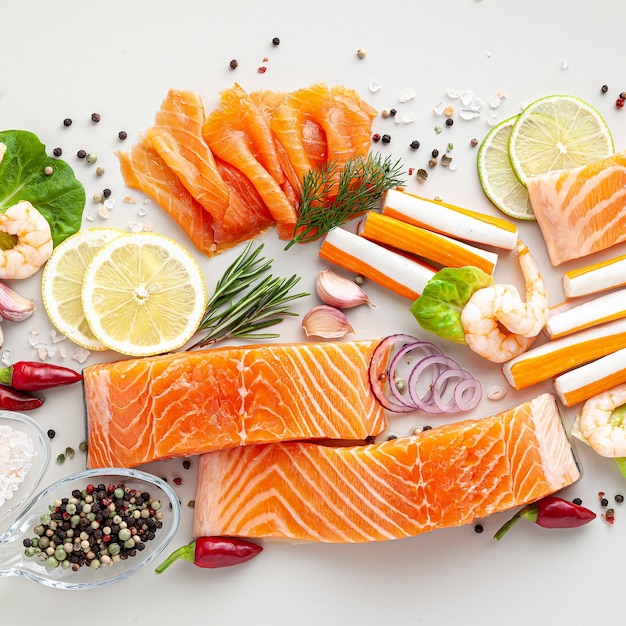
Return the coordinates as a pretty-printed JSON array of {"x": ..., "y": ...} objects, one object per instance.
[{"x": 119, "y": 58}]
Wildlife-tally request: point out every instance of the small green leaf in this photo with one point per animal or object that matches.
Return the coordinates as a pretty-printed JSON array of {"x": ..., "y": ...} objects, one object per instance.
[
  {"x": 621, "y": 464},
  {"x": 59, "y": 197},
  {"x": 438, "y": 309}
]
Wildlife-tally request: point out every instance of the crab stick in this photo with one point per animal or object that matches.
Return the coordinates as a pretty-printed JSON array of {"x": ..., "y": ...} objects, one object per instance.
[
  {"x": 588, "y": 380},
  {"x": 565, "y": 320},
  {"x": 560, "y": 355},
  {"x": 404, "y": 276},
  {"x": 597, "y": 277},
  {"x": 447, "y": 219},
  {"x": 432, "y": 246}
]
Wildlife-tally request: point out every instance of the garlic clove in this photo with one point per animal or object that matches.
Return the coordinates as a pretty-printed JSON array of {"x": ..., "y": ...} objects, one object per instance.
[
  {"x": 338, "y": 291},
  {"x": 13, "y": 306},
  {"x": 327, "y": 322}
]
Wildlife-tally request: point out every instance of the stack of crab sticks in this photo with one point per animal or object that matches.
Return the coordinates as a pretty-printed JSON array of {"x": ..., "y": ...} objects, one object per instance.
[
  {"x": 587, "y": 332},
  {"x": 403, "y": 246}
]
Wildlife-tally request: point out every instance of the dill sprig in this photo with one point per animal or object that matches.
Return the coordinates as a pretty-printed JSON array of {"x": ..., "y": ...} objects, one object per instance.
[
  {"x": 246, "y": 300},
  {"x": 332, "y": 195}
]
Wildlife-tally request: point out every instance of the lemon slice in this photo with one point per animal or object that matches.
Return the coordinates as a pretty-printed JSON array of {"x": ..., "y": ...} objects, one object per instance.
[
  {"x": 143, "y": 294},
  {"x": 557, "y": 133},
  {"x": 62, "y": 282},
  {"x": 497, "y": 177}
]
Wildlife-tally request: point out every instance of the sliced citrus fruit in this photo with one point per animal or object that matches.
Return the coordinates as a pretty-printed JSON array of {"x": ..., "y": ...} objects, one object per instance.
[
  {"x": 62, "y": 282},
  {"x": 497, "y": 177},
  {"x": 143, "y": 294},
  {"x": 557, "y": 133}
]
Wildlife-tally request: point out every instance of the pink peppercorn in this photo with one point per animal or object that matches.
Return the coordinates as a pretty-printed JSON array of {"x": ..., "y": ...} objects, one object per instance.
[{"x": 619, "y": 103}]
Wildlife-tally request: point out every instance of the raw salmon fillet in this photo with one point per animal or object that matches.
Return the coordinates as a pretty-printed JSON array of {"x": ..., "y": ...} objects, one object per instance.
[
  {"x": 444, "y": 477},
  {"x": 582, "y": 210},
  {"x": 177, "y": 137},
  {"x": 142, "y": 168},
  {"x": 186, "y": 403}
]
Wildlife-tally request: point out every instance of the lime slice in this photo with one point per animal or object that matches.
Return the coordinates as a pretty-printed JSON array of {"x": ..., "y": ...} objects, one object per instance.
[
  {"x": 496, "y": 175},
  {"x": 557, "y": 133},
  {"x": 62, "y": 282},
  {"x": 143, "y": 294}
]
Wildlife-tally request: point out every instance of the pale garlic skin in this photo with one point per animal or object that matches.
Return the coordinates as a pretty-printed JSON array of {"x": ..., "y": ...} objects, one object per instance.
[
  {"x": 338, "y": 291},
  {"x": 13, "y": 306},
  {"x": 327, "y": 322}
]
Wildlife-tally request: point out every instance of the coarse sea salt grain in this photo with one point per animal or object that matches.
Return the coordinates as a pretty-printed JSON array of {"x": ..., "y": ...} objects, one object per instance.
[{"x": 16, "y": 454}]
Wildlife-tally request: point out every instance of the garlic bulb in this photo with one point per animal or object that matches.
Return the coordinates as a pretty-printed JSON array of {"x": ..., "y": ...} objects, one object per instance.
[
  {"x": 14, "y": 306},
  {"x": 327, "y": 322},
  {"x": 339, "y": 292}
]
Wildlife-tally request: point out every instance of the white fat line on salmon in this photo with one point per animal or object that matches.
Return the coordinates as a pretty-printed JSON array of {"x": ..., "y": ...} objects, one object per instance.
[{"x": 450, "y": 220}]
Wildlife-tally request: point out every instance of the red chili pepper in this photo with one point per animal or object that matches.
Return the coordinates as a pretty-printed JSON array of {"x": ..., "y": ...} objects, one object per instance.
[
  {"x": 34, "y": 376},
  {"x": 14, "y": 400},
  {"x": 550, "y": 512},
  {"x": 213, "y": 552}
]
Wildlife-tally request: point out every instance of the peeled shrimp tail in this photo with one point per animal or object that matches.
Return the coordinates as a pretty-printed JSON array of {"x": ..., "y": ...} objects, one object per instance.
[{"x": 604, "y": 431}]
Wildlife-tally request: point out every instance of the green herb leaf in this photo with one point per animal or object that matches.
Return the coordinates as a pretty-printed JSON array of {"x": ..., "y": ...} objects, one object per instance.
[
  {"x": 247, "y": 300},
  {"x": 331, "y": 196},
  {"x": 621, "y": 464},
  {"x": 438, "y": 309},
  {"x": 59, "y": 197}
]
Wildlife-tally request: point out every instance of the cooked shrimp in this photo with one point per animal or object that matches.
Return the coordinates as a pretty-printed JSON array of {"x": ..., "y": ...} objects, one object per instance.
[
  {"x": 603, "y": 431},
  {"x": 34, "y": 241},
  {"x": 498, "y": 324}
]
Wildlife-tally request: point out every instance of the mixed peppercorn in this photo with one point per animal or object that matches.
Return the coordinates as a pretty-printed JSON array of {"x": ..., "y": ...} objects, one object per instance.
[{"x": 98, "y": 525}]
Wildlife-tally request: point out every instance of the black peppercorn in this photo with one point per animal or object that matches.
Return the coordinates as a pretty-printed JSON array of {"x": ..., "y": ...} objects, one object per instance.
[
  {"x": 577, "y": 501},
  {"x": 81, "y": 154},
  {"x": 479, "y": 528},
  {"x": 51, "y": 433},
  {"x": 234, "y": 64},
  {"x": 276, "y": 41},
  {"x": 449, "y": 121},
  {"x": 435, "y": 153},
  {"x": 106, "y": 192},
  {"x": 604, "y": 502},
  {"x": 386, "y": 138},
  {"x": 392, "y": 112},
  {"x": 619, "y": 498},
  {"x": 95, "y": 117},
  {"x": 67, "y": 121},
  {"x": 122, "y": 134},
  {"x": 415, "y": 144},
  {"x": 57, "y": 152}
]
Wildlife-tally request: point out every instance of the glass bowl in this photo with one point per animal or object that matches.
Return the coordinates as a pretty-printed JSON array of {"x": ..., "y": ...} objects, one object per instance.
[
  {"x": 14, "y": 562},
  {"x": 38, "y": 463}
]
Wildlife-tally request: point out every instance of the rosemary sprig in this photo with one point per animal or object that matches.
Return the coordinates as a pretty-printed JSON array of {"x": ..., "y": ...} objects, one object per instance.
[
  {"x": 331, "y": 196},
  {"x": 246, "y": 300}
]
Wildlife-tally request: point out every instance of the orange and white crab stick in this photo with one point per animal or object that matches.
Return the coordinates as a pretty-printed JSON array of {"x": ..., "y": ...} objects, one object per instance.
[
  {"x": 588, "y": 380},
  {"x": 434, "y": 247},
  {"x": 451, "y": 220},
  {"x": 566, "y": 319},
  {"x": 596, "y": 277},
  {"x": 404, "y": 276},
  {"x": 560, "y": 355}
]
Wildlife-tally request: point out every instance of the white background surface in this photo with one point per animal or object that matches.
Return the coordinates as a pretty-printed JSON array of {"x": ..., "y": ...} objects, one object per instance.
[{"x": 119, "y": 58}]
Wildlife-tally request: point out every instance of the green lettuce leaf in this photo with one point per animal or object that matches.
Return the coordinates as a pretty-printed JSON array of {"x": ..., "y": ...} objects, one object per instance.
[
  {"x": 438, "y": 309},
  {"x": 621, "y": 464},
  {"x": 59, "y": 197}
]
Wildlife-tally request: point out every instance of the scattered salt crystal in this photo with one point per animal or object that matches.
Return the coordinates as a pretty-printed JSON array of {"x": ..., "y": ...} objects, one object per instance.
[
  {"x": 81, "y": 354},
  {"x": 103, "y": 211},
  {"x": 374, "y": 86},
  {"x": 469, "y": 114},
  {"x": 466, "y": 97},
  {"x": 135, "y": 227},
  {"x": 438, "y": 108},
  {"x": 495, "y": 102},
  {"x": 142, "y": 211},
  {"x": 56, "y": 336},
  {"x": 62, "y": 352},
  {"x": 42, "y": 352},
  {"x": 476, "y": 104},
  {"x": 406, "y": 95},
  {"x": 148, "y": 227},
  {"x": 51, "y": 350},
  {"x": 16, "y": 454},
  {"x": 501, "y": 94},
  {"x": 129, "y": 200},
  {"x": 404, "y": 118},
  {"x": 452, "y": 93},
  {"x": 452, "y": 167},
  {"x": 90, "y": 217},
  {"x": 6, "y": 357},
  {"x": 109, "y": 203},
  {"x": 488, "y": 54},
  {"x": 564, "y": 64},
  {"x": 148, "y": 201}
]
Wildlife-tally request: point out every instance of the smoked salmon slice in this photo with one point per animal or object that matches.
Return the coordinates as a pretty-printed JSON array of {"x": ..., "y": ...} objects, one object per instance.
[
  {"x": 177, "y": 137},
  {"x": 344, "y": 118},
  {"x": 238, "y": 134},
  {"x": 142, "y": 168},
  {"x": 444, "y": 477},
  {"x": 582, "y": 210},
  {"x": 143, "y": 410}
]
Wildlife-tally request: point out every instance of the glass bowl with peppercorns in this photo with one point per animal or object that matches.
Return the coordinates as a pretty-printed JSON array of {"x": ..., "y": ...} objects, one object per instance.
[
  {"x": 91, "y": 529},
  {"x": 24, "y": 458}
]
